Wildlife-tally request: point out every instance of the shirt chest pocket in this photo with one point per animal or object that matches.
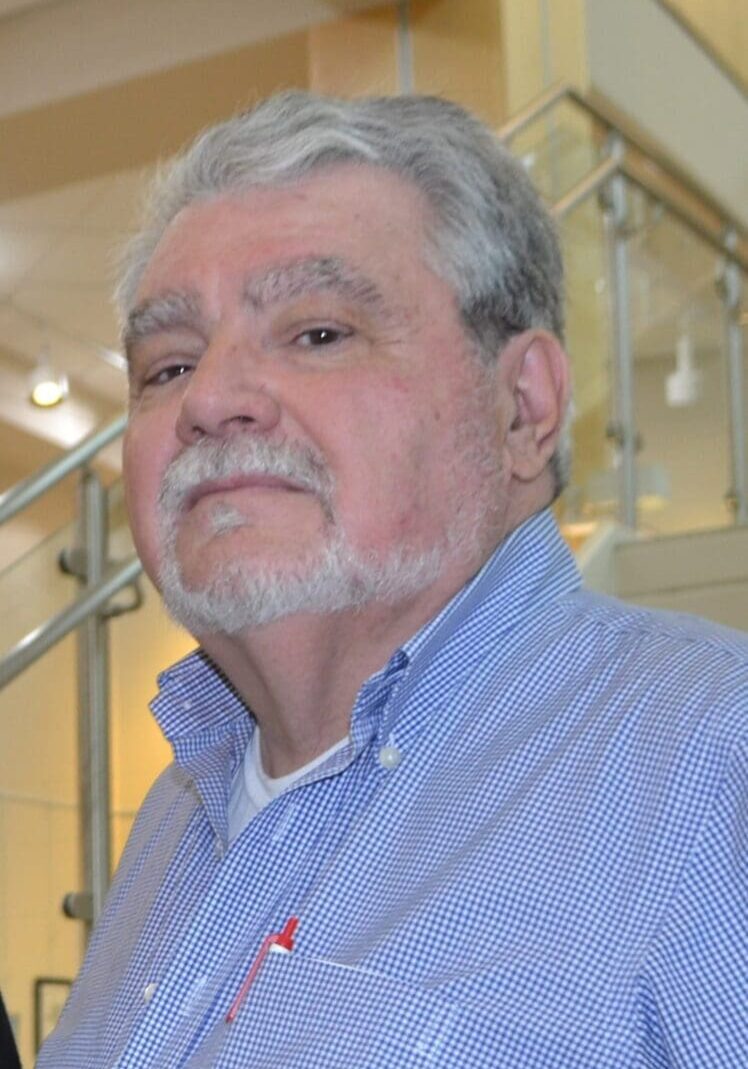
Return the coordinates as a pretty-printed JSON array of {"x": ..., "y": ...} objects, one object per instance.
[{"x": 303, "y": 1013}]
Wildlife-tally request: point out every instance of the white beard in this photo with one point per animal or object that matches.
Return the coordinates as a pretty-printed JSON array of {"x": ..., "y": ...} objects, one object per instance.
[{"x": 244, "y": 594}]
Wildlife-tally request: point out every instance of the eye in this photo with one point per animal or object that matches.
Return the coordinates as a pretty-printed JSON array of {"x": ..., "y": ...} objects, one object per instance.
[
  {"x": 317, "y": 337},
  {"x": 166, "y": 374}
]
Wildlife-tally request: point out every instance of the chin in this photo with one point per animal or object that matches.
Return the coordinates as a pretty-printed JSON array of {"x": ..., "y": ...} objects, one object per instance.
[{"x": 244, "y": 592}]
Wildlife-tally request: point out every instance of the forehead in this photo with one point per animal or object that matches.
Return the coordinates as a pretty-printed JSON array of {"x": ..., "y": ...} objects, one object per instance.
[{"x": 355, "y": 212}]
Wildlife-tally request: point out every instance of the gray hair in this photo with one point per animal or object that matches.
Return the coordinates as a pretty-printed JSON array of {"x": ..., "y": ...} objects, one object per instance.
[{"x": 491, "y": 239}]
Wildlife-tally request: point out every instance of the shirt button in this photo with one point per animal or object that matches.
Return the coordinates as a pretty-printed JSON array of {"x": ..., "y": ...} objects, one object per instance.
[
  {"x": 148, "y": 991},
  {"x": 390, "y": 757}
]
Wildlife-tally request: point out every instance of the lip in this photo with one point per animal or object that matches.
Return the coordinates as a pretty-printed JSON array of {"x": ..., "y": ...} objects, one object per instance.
[{"x": 239, "y": 482}]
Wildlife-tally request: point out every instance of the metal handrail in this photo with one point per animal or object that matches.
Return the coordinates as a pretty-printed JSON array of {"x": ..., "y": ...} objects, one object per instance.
[
  {"x": 646, "y": 168},
  {"x": 42, "y": 638},
  {"x": 533, "y": 111},
  {"x": 587, "y": 186},
  {"x": 28, "y": 490}
]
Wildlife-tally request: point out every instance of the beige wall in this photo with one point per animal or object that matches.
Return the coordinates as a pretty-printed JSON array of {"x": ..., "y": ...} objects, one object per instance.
[
  {"x": 354, "y": 55},
  {"x": 722, "y": 25},
  {"x": 143, "y": 643},
  {"x": 142, "y": 120},
  {"x": 642, "y": 63},
  {"x": 543, "y": 43},
  {"x": 456, "y": 51}
]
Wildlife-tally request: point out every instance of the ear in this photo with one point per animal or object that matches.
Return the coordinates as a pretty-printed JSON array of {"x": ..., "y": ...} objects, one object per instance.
[{"x": 538, "y": 378}]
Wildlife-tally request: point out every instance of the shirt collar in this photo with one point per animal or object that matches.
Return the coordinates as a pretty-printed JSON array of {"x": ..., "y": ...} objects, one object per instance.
[
  {"x": 531, "y": 568},
  {"x": 208, "y": 725}
]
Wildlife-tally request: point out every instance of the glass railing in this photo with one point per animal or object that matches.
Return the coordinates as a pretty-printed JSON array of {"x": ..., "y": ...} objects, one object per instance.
[
  {"x": 680, "y": 377},
  {"x": 588, "y": 336},
  {"x": 559, "y": 149},
  {"x": 41, "y": 857},
  {"x": 681, "y": 412},
  {"x": 40, "y": 841}
]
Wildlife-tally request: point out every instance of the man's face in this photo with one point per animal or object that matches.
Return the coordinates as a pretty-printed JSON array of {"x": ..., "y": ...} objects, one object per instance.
[{"x": 305, "y": 402}]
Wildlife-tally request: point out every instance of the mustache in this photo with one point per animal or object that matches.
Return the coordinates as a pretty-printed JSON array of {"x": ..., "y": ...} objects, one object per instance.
[{"x": 243, "y": 456}]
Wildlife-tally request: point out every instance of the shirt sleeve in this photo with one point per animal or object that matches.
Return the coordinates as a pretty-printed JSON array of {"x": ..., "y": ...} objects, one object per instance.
[{"x": 697, "y": 970}]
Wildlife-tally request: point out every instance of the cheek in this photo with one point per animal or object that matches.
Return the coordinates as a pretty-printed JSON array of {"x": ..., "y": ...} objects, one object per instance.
[
  {"x": 392, "y": 484},
  {"x": 143, "y": 461}
]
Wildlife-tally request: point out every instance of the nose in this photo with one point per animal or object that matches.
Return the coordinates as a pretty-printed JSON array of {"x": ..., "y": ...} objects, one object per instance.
[{"x": 225, "y": 395}]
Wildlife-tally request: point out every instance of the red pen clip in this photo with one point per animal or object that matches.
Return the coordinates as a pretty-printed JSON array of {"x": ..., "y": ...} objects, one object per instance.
[{"x": 283, "y": 940}]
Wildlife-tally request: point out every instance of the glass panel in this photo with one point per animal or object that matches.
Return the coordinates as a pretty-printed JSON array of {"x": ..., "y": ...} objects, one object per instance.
[
  {"x": 31, "y": 579},
  {"x": 681, "y": 399},
  {"x": 744, "y": 323},
  {"x": 681, "y": 393},
  {"x": 588, "y": 335},
  {"x": 559, "y": 149}
]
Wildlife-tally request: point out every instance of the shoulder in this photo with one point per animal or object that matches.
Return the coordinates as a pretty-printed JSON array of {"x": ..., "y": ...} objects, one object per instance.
[
  {"x": 677, "y": 681},
  {"x": 659, "y": 641},
  {"x": 679, "y": 627}
]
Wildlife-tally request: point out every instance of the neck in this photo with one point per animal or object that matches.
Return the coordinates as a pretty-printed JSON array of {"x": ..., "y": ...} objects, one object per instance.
[{"x": 300, "y": 675}]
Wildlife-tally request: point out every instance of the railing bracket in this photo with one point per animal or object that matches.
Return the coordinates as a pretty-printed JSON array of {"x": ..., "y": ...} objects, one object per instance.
[
  {"x": 72, "y": 561},
  {"x": 121, "y": 609},
  {"x": 78, "y": 906}
]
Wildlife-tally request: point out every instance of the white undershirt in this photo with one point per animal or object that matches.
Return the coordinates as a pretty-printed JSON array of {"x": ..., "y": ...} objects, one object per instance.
[{"x": 253, "y": 789}]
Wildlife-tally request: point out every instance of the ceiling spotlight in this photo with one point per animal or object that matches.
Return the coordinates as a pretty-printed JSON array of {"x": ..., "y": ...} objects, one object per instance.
[{"x": 47, "y": 387}]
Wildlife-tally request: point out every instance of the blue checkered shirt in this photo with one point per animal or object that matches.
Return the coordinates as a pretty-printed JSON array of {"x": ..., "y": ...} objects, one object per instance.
[{"x": 554, "y": 875}]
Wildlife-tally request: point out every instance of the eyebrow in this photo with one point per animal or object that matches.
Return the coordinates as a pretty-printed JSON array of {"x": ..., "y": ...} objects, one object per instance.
[
  {"x": 318, "y": 274},
  {"x": 155, "y": 314}
]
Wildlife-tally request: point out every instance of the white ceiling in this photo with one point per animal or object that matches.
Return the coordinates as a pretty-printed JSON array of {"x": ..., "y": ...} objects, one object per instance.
[{"x": 57, "y": 256}]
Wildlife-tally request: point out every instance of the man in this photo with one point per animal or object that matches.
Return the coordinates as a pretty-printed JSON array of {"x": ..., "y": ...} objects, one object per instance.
[{"x": 491, "y": 820}]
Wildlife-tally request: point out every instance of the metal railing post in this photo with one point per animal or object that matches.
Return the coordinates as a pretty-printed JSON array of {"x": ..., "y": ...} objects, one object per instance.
[
  {"x": 624, "y": 432},
  {"x": 93, "y": 710},
  {"x": 405, "y": 73},
  {"x": 729, "y": 288}
]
